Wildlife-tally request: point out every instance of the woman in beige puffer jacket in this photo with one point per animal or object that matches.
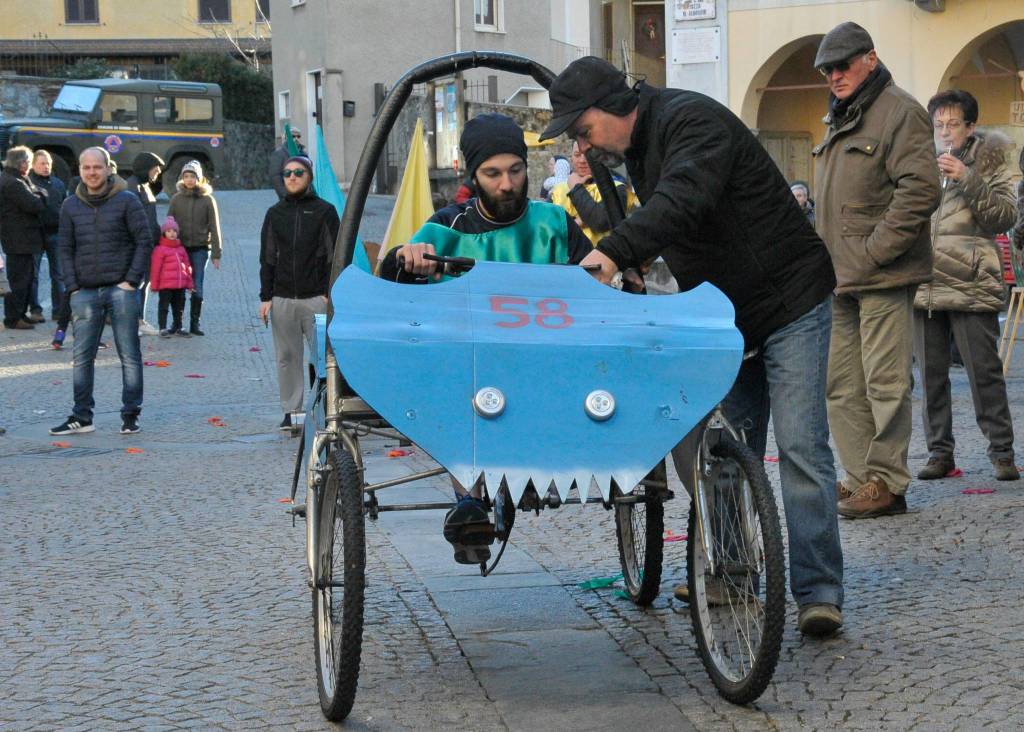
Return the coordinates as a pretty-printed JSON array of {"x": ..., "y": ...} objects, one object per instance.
[{"x": 967, "y": 292}]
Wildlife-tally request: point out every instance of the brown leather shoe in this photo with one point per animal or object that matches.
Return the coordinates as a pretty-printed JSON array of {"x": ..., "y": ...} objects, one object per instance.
[
  {"x": 937, "y": 467},
  {"x": 22, "y": 325},
  {"x": 842, "y": 492},
  {"x": 872, "y": 499},
  {"x": 1006, "y": 469}
]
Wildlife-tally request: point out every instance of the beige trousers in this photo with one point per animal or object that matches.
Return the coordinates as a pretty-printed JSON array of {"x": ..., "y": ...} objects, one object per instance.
[{"x": 869, "y": 364}]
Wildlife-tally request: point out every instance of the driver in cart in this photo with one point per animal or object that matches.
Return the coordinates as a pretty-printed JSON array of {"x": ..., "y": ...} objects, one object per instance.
[{"x": 500, "y": 225}]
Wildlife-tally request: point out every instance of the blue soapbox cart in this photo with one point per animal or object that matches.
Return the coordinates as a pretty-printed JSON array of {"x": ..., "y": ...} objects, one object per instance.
[{"x": 556, "y": 390}]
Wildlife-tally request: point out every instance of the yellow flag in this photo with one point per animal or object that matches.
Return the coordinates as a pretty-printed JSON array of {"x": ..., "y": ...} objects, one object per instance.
[{"x": 413, "y": 205}]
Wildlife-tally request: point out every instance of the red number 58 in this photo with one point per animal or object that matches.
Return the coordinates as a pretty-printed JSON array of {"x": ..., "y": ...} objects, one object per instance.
[{"x": 550, "y": 312}]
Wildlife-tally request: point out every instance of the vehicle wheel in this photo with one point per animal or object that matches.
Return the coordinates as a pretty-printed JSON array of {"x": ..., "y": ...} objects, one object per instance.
[
  {"x": 640, "y": 527},
  {"x": 338, "y": 597},
  {"x": 736, "y": 573},
  {"x": 61, "y": 169}
]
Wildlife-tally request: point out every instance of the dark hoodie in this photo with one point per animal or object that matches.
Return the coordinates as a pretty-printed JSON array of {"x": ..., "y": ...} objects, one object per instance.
[
  {"x": 104, "y": 237},
  {"x": 296, "y": 246},
  {"x": 147, "y": 190}
]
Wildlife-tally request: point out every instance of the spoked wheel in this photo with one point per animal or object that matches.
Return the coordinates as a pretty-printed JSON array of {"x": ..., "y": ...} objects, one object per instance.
[
  {"x": 639, "y": 527},
  {"x": 736, "y": 572},
  {"x": 338, "y": 596}
]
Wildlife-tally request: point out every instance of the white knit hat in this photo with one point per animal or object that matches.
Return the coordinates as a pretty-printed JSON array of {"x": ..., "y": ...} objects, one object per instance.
[{"x": 193, "y": 166}]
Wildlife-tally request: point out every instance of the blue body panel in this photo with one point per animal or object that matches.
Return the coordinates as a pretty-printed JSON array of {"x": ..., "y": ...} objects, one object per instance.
[
  {"x": 546, "y": 336},
  {"x": 320, "y": 344}
]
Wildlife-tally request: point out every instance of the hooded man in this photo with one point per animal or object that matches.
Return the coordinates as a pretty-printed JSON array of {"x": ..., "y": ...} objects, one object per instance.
[
  {"x": 876, "y": 186},
  {"x": 500, "y": 224},
  {"x": 146, "y": 183},
  {"x": 717, "y": 209},
  {"x": 104, "y": 248},
  {"x": 296, "y": 246}
]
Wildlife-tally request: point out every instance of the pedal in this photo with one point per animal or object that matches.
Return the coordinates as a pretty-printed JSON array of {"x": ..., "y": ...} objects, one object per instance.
[
  {"x": 471, "y": 554},
  {"x": 299, "y": 509}
]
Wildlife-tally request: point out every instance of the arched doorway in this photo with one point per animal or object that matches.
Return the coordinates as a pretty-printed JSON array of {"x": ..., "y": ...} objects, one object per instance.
[
  {"x": 991, "y": 67},
  {"x": 791, "y": 98}
]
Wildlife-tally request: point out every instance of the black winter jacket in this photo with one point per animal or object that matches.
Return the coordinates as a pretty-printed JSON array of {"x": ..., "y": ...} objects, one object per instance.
[
  {"x": 21, "y": 210},
  {"x": 296, "y": 247},
  {"x": 55, "y": 195},
  {"x": 104, "y": 240},
  {"x": 147, "y": 197},
  {"x": 717, "y": 209}
]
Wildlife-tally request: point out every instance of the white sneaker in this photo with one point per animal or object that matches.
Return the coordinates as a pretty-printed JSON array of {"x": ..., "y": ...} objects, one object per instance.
[{"x": 145, "y": 329}]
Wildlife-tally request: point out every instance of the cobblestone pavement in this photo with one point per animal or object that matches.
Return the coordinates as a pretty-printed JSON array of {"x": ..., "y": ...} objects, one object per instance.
[{"x": 164, "y": 589}]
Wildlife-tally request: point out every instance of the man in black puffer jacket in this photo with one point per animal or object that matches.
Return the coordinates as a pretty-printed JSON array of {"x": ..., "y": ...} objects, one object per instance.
[
  {"x": 104, "y": 248},
  {"x": 718, "y": 210},
  {"x": 297, "y": 244}
]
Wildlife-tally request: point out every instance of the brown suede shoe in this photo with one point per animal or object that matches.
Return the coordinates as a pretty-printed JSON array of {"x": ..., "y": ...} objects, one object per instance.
[
  {"x": 842, "y": 492},
  {"x": 1005, "y": 469},
  {"x": 872, "y": 499},
  {"x": 819, "y": 619},
  {"x": 937, "y": 467}
]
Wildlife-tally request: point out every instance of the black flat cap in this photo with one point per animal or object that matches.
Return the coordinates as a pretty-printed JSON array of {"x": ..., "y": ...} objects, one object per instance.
[
  {"x": 844, "y": 41},
  {"x": 580, "y": 86}
]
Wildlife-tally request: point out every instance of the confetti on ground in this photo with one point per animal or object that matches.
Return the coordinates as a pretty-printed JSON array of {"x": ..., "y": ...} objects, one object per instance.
[
  {"x": 254, "y": 349},
  {"x": 61, "y": 444},
  {"x": 217, "y": 421},
  {"x": 194, "y": 376},
  {"x": 623, "y": 594},
  {"x": 596, "y": 583},
  {"x": 977, "y": 491},
  {"x": 675, "y": 537},
  {"x": 285, "y": 500},
  {"x": 133, "y": 450},
  {"x": 158, "y": 364},
  {"x": 955, "y": 473},
  {"x": 398, "y": 453},
  {"x": 770, "y": 459},
  {"x": 57, "y": 383}
]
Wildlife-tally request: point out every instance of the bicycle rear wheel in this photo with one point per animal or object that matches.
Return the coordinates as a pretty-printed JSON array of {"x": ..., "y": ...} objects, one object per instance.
[
  {"x": 736, "y": 572},
  {"x": 338, "y": 595}
]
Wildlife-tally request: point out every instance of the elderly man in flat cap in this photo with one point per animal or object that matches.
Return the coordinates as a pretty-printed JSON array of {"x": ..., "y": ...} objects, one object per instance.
[
  {"x": 876, "y": 187},
  {"x": 717, "y": 209}
]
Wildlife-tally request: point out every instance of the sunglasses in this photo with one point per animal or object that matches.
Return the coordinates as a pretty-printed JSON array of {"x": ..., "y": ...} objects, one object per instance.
[
  {"x": 842, "y": 67},
  {"x": 297, "y": 172}
]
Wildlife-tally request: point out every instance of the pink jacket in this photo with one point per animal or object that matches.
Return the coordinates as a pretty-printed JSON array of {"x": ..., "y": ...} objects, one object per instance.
[{"x": 169, "y": 267}]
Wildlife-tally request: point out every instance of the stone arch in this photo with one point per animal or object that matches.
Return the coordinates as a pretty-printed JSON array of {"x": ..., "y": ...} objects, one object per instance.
[{"x": 990, "y": 66}]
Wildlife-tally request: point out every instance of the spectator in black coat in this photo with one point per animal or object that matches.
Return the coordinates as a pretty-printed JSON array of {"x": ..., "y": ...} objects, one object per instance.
[
  {"x": 41, "y": 175},
  {"x": 104, "y": 249},
  {"x": 146, "y": 182},
  {"x": 21, "y": 210}
]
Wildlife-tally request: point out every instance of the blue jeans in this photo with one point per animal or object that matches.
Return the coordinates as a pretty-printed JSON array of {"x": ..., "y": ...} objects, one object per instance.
[
  {"x": 56, "y": 288},
  {"x": 89, "y": 308},
  {"x": 198, "y": 259},
  {"x": 787, "y": 379}
]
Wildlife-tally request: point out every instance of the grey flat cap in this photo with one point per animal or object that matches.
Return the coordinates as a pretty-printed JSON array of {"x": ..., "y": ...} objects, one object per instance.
[{"x": 844, "y": 41}]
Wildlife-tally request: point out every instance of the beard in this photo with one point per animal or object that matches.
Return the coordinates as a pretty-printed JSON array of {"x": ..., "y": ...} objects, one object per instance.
[
  {"x": 605, "y": 157},
  {"x": 505, "y": 207}
]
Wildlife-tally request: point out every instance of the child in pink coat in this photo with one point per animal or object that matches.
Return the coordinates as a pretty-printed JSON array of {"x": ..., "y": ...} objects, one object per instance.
[{"x": 170, "y": 274}]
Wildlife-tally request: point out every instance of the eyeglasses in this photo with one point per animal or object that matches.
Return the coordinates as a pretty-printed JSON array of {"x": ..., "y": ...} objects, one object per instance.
[
  {"x": 842, "y": 67},
  {"x": 953, "y": 125},
  {"x": 297, "y": 172}
]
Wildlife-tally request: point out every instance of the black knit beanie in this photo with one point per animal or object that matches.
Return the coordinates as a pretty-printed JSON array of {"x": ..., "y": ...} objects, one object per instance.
[{"x": 488, "y": 135}]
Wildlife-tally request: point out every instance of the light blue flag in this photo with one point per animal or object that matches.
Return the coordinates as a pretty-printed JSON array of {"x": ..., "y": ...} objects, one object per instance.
[{"x": 326, "y": 186}]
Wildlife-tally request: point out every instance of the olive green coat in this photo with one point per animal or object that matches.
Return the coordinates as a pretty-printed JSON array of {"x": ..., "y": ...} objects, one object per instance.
[
  {"x": 195, "y": 211},
  {"x": 968, "y": 267},
  {"x": 876, "y": 186}
]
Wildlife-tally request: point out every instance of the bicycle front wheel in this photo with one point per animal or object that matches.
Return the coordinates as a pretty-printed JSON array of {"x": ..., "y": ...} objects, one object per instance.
[
  {"x": 639, "y": 527},
  {"x": 736, "y": 572},
  {"x": 339, "y": 590}
]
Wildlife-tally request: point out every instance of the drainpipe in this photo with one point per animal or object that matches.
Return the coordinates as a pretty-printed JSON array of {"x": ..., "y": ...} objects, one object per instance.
[{"x": 458, "y": 25}]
